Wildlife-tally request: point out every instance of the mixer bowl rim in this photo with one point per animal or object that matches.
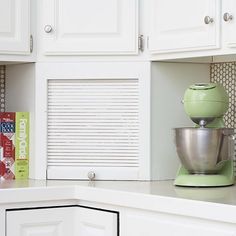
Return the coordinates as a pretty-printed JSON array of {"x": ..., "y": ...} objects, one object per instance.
[
  {"x": 195, "y": 130},
  {"x": 200, "y": 128}
]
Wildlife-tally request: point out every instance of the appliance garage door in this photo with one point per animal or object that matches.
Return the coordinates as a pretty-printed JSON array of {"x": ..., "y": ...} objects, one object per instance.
[{"x": 93, "y": 129}]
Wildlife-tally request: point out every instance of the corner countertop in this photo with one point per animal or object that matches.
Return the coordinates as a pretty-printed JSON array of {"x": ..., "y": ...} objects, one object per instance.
[{"x": 161, "y": 196}]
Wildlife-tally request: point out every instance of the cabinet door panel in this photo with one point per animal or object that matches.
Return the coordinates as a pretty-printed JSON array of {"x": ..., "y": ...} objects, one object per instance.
[
  {"x": 179, "y": 25},
  {"x": 151, "y": 224},
  {"x": 90, "y": 27},
  {"x": 14, "y": 27},
  {"x": 41, "y": 222},
  {"x": 96, "y": 223},
  {"x": 229, "y": 25}
]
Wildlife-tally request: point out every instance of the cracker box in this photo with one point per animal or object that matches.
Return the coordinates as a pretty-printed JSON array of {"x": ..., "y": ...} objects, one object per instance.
[{"x": 7, "y": 143}]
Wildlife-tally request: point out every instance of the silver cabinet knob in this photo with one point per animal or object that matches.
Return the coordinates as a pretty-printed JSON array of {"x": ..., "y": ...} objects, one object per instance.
[
  {"x": 91, "y": 175},
  {"x": 227, "y": 17},
  {"x": 48, "y": 28},
  {"x": 208, "y": 20}
]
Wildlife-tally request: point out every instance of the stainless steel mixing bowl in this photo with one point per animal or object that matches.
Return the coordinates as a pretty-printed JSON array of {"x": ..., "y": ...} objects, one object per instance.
[{"x": 204, "y": 150}]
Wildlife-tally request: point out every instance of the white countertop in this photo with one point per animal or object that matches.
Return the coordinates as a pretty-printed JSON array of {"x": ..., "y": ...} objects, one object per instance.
[{"x": 162, "y": 196}]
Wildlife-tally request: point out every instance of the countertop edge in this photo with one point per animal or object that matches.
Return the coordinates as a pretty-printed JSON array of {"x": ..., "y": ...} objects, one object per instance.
[{"x": 141, "y": 201}]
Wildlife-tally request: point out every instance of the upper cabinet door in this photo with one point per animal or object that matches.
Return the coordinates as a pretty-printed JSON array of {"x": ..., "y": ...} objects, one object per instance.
[
  {"x": 78, "y": 27},
  {"x": 184, "y": 25},
  {"x": 15, "y": 26},
  {"x": 229, "y": 23}
]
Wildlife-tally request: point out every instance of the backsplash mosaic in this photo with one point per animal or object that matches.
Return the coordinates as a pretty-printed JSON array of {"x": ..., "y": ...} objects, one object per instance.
[
  {"x": 224, "y": 73},
  {"x": 2, "y": 87}
]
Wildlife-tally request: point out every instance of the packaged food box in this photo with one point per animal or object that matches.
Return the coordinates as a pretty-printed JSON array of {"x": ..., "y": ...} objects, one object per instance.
[
  {"x": 22, "y": 145},
  {"x": 14, "y": 145},
  {"x": 7, "y": 143}
]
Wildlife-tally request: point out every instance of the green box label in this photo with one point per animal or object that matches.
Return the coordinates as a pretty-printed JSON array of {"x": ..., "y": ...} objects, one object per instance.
[{"x": 22, "y": 145}]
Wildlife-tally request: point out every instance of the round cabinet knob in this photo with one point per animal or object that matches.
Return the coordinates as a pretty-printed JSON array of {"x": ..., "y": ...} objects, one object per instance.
[
  {"x": 208, "y": 20},
  {"x": 227, "y": 17},
  {"x": 91, "y": 175},
  {"x": 48, "y": 28}
]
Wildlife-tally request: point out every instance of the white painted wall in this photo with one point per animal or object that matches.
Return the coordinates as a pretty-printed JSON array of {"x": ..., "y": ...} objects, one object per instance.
[
  {"x": 20, "y": 96},
  {"x": 168, "y": 84}
]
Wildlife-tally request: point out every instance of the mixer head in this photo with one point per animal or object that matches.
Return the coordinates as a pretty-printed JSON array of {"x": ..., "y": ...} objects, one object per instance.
[{"x": 205, "y": 103}]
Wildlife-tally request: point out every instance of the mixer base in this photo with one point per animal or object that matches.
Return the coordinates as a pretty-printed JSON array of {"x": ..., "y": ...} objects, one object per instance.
[{"x": 224, "y": 178}]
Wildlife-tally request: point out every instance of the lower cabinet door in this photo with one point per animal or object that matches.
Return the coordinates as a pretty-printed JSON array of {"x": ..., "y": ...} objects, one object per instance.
[
  {"x": 91, "y": 222},
  {"x": 40, "y": 222},
  {"x": 61, "y": 221},
  {"x": 139, "y": 223}
]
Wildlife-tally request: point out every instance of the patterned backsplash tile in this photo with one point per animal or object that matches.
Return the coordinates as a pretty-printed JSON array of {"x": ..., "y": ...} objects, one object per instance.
[
  {"x": 225, "y": 74},
  {"x": 2, "y": 87}
]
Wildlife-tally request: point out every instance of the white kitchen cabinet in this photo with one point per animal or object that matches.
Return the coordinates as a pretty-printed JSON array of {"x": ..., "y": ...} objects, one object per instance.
[
  {"x": 15, "y": 27},
  {"x": 61, "y": 221},
  {"x": 94, "y": 118},
  {"x": 77, "y": 27},
  {"x": 91, "y": 222},
  {"x": 229, "y": 24},
  {"x": 141, "y": 223},
  {"x": 178, "y": 26},
  {"x": 43, "y": 222},
  {"x": 191, "y": 29}
]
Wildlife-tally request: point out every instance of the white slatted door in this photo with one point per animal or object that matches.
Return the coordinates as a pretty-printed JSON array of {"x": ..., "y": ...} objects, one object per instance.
[{"x": 93, "y": 126}]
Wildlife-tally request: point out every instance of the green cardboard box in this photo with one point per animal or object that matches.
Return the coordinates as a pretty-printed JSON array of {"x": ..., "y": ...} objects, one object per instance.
[{"x": 22, "y": 145}]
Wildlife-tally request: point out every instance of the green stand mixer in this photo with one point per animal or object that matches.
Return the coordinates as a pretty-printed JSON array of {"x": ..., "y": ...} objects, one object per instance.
[{"x": 206, "y": 150}]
